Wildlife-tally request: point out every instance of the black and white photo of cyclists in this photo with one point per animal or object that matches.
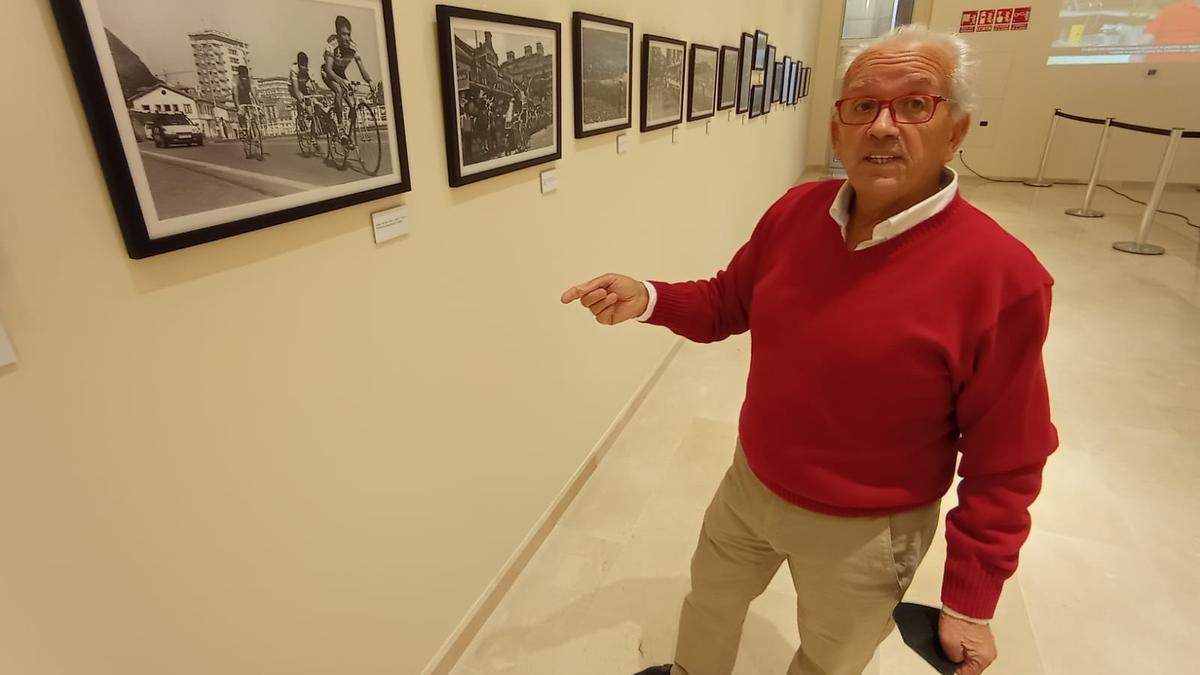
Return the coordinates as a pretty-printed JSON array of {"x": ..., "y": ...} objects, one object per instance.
[
  {"x": 503, "y": 95},
  {"x": 228, "y": 109}
]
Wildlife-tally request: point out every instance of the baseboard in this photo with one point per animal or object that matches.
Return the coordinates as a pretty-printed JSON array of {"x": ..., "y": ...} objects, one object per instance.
[{"x": 453, "y": 649}]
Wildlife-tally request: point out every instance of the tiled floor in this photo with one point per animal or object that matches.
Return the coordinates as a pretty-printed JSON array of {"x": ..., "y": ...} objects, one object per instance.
[{"x": 1110, "y": 580}]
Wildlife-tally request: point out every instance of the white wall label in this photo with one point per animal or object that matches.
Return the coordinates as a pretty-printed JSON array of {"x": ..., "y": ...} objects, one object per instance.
[
  {"x": 549, "y": 181},
  {"x": 390, "y": 223},
  {"x": 675, "y": 135},
  {"x": 622, "y": 144},
  {"x": 7, "y": 355},
  {"x": 708, "y": 127}
]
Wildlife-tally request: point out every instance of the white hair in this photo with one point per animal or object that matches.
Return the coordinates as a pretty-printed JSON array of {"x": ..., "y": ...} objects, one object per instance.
[{"x": 962, "y": 77}]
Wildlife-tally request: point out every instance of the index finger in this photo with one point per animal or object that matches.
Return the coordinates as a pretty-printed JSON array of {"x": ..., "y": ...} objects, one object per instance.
[{"x": 576, "y": 292}]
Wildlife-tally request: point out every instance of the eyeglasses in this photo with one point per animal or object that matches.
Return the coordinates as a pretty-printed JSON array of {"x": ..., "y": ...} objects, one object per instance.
[{"x": 907, "y": 109}]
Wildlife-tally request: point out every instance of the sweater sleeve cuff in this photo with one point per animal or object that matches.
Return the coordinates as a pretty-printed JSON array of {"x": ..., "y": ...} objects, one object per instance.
[
  {"x": 970, "y": 590},
  {"x": 948, "y": 611},
  {"x": 670, "y": 304},
  {"x": 653, "y": 293}
]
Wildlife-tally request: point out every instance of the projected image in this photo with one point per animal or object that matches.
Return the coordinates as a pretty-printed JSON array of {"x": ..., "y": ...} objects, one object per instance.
[{"x": 1127, "y": 31}]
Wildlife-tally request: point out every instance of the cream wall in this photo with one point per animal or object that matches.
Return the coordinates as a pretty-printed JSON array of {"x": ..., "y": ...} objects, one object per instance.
[
  {"x": 295, "y": 451},
  {"x": 1018, "y": 93}
]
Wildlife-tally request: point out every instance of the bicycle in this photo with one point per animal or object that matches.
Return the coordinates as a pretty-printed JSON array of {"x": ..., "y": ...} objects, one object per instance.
[
  {"x": 312, "y": 120},
  {"x": 361, "y": 134},
  {"x": 252, "y": 135}
]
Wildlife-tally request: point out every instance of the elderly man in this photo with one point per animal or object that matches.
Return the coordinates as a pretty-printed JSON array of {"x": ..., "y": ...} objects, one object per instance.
[{"x": 893, "y": 327}]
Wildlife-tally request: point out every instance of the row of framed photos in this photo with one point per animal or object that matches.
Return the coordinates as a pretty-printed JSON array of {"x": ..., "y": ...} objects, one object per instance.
[{"x": 295, "y": 109}]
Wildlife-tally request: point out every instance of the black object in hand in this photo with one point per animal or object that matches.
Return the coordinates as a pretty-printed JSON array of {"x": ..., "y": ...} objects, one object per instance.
[{"x": 919, "y": 629}]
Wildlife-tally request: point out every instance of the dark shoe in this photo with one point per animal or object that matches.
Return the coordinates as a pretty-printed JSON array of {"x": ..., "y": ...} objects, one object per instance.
[{"x": 657, "y": 670}]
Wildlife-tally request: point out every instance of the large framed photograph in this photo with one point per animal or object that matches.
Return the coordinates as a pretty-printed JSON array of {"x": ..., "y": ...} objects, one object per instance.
[
  {"x": 727, "y": 87},
  {"x": 760, "y": 50},
  {"x": 603, "y": 55},
  {"x": 662, "y": 81},
  {"x": 745, "y": 74},
  {"x": 777, "y": 80},
  {"x": 769, "y": 80},
  {"x": 501, "y": 92},
  {"x": 702, "y": 82},
  {"x": 286, "y": 111}
]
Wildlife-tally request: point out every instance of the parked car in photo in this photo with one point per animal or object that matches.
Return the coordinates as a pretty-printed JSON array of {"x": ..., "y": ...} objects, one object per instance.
[{"x": 175, "y": 129}]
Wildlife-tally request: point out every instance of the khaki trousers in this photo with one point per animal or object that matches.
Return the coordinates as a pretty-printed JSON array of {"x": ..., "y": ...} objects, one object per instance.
[{"x": 849, "y": 574}]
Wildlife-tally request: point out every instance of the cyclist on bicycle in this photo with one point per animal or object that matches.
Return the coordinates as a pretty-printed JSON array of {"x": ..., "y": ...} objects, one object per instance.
[
  {"x": 244, "y": 98},
  {"x": 300, "y": 82},
  {"x": 340, "y": 50}
]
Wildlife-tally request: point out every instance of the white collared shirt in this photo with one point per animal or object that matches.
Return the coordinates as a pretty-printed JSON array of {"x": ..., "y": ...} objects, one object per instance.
[
  {"x": 889, "y": 229},
  {"x": 901, "y": 222}
]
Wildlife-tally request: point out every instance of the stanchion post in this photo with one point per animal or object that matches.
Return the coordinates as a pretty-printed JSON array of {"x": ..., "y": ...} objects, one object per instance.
[
  {"x": 1086, "y": 211},
  {"x": 1140, "y": 246},
  {"x": 1040, "y": 180}
]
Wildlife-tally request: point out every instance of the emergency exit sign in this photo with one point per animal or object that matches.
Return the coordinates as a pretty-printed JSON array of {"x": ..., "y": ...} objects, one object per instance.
[{"x": 995, "y": 20}]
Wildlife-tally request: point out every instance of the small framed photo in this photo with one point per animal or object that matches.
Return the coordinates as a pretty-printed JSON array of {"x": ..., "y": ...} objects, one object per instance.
[
  {"x": 702, "y": 82},
  {"x": 501, "y": 93},
  {"x": 204, "y": 133},
  {"x": 603, "y": 50},
  {"x": 760, "y": 50},
  {"x": 785, "y": 91},
  {"x": 807, "y": 76},
  {"x": 662, "y": 81},
  {"x": 727, "y": 87},
  {"x": 769, "y": 79},
  {"x": 757, "y": 100},
  {"x": 777, "y": 80},
  {"x": 797, "y": 74},
  {"x": 745, "y": 76}
]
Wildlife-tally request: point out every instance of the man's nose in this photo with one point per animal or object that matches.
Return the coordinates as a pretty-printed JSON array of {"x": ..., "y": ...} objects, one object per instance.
[{"x": 884, "y": 125}]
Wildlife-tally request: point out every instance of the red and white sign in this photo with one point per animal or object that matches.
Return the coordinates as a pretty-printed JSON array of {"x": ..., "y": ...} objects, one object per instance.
[
  {"x": 969, "y": 21},
  {"x": 1004, "y": 18},
  {"x": 995, "y": 20},
  {"x": 1020, "y": 19},
  {"x": 987, "y": 21}
]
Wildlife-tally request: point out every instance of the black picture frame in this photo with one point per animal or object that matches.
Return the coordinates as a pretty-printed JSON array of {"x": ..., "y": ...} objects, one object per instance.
[
  {"x": 745, "y": 74},
  {"x": 807, "y": 77},
  {"x": 777, "y": 83},
  {"x": 769, "y": 80},
  {"x": 756, "y": 100},
  {"x": 727, "y": 90},
  {"x": 794, "y": 89},
  {"x": 115, "y": 135},
  {"x": 786, "y": 91},
  {"x": 696, "y": 84},
  {"x": 760, "y": 50},
  {"x": 579, "y": 22},
  {"x": 495, "y": 89},
  {"x": 652, "y": 123}
]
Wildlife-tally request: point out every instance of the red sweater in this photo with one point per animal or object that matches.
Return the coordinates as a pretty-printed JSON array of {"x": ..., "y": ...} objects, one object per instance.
[{"x": 870, "y": 370}]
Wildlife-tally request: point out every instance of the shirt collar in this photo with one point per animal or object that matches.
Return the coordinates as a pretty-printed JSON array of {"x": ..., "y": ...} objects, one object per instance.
[{"x": 901, "y": 222}]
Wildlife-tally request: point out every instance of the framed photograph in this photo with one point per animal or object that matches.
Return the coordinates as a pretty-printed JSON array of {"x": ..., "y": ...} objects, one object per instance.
[
  {"x": 760, "y": 50},
  {"x": 662, "y": 81},
  {"x": 805, "y": 79},
  {"x": 702, "y": 82},
  {"x": 756, "y": 100},
  {"x": 777, "y": 80},
  {"x": 794, "y": 89},
  {"x": 501, "y": 93},
  {"x": 745, "y": 73},
  {"x": 603, "y": 74},
  {"x": 785, "y": 91},
  {"x": 769, "y": 79},
  {"x": 727, "y": 87},
  {"x": 204, "y": 134}
]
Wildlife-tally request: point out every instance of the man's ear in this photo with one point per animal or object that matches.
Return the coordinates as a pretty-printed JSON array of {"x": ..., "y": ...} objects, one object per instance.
[
  {"x": 833, "y": 135},
  {"x": 958, "y": 134}
]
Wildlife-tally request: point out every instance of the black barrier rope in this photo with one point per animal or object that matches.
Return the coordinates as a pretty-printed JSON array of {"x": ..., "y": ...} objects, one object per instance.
[
  {"x": 1124, "y": 125},
  {"x": 1106, "y": 187}
]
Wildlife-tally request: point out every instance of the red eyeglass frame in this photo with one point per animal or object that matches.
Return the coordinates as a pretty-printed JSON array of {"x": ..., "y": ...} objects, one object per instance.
[{"x": 837, "y": 105}]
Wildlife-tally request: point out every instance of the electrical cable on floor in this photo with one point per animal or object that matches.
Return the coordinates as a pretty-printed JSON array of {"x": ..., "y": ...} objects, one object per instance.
[{"x": 1112, "y": 190}]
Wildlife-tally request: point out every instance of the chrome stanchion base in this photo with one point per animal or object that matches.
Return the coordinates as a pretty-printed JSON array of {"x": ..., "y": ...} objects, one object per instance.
[
  {"x": 1085, "y": 213},
  {"x": 1139, "y": 249},
  {"x": 1035, "y": 183}
]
